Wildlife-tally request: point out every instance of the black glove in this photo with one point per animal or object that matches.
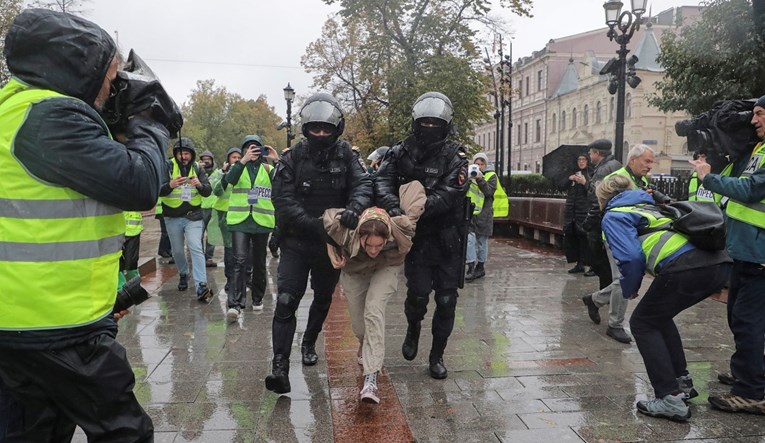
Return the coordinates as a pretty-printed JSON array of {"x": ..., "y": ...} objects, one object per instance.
[
  {"x": 349, "y": 218},
  {"x": 395, "y": 212}
]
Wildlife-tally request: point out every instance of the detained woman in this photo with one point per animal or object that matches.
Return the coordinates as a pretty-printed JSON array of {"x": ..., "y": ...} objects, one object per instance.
[
  {"x": 370, "y": 257},
  {"x": 640, "y": 241}
]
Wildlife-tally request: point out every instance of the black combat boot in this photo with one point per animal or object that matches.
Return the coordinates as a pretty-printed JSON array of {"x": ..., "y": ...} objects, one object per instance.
[
  {"x": 308, "y": 349},
  {"x": 437, "y": 369},
  {"x": 470, "y": 273},
  {"x": 411, "y": 341},
  {"x": 279, "y": 380},
  {"x": 479, "y": 271},
  {"x": 183, "y": 282}
]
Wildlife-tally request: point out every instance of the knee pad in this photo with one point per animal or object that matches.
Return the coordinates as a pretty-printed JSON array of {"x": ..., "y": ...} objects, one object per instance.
[
  {"x": 416, "y": 300},
  {"x": 446, "y": 301},
  {"x": 286, "y": 305}
]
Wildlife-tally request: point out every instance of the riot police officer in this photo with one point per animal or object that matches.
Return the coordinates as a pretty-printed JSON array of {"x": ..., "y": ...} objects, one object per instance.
[
  {"x": 436, "y": 260},
  {"x": 318, "y": 173}
]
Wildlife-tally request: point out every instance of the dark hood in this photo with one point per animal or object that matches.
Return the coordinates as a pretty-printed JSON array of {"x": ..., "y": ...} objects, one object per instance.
[
  {"x": 60, "y": 52},
  {"x": 186, "y": 144}
]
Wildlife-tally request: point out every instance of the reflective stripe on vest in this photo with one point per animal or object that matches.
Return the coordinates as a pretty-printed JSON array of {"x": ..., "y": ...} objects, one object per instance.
[
  {"x": 133, "y": 223},
  {"x": 721, "y": 200},
  {"x": 262, "y": 210},
  {"x": 656, "y": 245},
  {"x": 501, "y": 204},
  {"x": 173, "y": 199},
  {"x": 59, "y": 250},
  {"x": 751, "y": 213}
]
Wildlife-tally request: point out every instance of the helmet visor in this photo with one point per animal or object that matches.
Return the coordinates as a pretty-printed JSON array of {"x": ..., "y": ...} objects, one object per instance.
[
  {"x": 321, "y": 112},
  {"x": 433, "y": 107}
]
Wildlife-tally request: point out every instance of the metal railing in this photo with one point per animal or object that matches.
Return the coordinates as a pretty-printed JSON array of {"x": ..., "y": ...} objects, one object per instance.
[{"x": 535, "y": 185}]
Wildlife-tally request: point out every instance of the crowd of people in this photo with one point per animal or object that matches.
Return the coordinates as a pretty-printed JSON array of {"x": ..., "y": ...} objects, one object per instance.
[{"x": 420, "y": 204}]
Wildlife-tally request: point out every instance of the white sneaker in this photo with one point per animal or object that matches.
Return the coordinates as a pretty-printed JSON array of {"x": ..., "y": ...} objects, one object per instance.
[
  {"x": 232, "y": 314},
  {"x": 369, "y": 391},
  {"x": 257, "y": 307}
]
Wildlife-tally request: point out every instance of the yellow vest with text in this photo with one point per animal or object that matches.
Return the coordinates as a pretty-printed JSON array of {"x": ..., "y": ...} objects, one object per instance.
[
  {"x": 751, "y": 213},
  {"x": 659, "y": 244},
  {"x": 261, "y": 209},
  {"x": 173, "y": 199},
  {"x": 697, "y": 191},
  {"x": 133, "y": 223},
  {"x": 59, "y": 250}
]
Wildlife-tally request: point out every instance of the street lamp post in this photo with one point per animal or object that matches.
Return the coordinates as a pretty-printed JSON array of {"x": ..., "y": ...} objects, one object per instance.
[
  {"x": 289, "y": 95},
  {"x": 505, "y": 69},
  {"x": 626, "y": 23},
  {"x": 497, "y": 99}
]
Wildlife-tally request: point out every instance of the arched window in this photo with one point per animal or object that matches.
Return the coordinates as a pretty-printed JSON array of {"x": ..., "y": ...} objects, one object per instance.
[
  {"x": 628, "y": 106},
  {"x": 573, "y": 118},
  {"x": 563, "y": 121},
  {"x": 586, "y": 115},
  {"x": 611, "y": 110},
  {"x": 598, "y": 110},
  {"x": 554, "y": 123}
]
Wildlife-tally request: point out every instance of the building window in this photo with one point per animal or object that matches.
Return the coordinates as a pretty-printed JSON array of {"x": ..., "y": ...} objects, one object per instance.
[
  {"x": 525, "y": 133},
  {"x": 611, "y": 110},
  {"x": 539, "y": 80},
  {"x": 527, "y": 85},
  {"x": 553, "y": 123},
  {"x": 563, "y": 121},
  {"x": 520, "y": 88},
  {"x": 573, "y": 118},
  {"x": 586, "y": 115},
  {"x": 598, "y": 110},
  {"x": 519, "y": 134},
  {"x": 539, "y": 167},
  {"x": 538, "y": 131},
  {"x": 628, "y": 105}
]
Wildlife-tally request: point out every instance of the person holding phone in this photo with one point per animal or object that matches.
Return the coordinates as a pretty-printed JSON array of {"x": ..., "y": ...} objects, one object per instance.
[{"x": 250, "y": 219}]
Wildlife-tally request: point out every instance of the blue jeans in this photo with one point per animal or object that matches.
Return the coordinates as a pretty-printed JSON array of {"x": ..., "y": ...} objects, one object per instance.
[
  {"x": 746, "y": 303},
  {"x": 178, "y": 229},
  {"x": 477, "y": 248}
]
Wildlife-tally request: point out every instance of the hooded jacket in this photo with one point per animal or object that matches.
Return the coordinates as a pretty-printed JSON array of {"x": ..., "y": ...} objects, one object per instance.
[
  {"x": 186, "y": 209},
  {"x": 64, "y": 141}
]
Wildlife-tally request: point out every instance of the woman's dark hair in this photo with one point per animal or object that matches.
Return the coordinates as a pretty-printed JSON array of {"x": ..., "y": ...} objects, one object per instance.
[{"x": 374, "y": 227}]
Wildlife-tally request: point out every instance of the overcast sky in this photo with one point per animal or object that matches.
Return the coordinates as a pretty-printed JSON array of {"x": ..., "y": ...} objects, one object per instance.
[{"x": 253, "y": 47}]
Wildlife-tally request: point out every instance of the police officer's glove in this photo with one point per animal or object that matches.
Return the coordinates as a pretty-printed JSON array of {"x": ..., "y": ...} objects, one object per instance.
[
  {"x": 395, "y": 212},
  {"x": 349, "y": 218}
]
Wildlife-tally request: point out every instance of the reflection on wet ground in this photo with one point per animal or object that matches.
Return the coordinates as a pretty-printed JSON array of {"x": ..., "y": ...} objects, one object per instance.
[{"x": 525, "y": 365}]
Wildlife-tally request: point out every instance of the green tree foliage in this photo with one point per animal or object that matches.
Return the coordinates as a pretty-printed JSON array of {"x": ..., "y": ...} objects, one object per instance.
[
  {"x": 217, "y": 119},
  {"x": 383, "y": 54},
  {"x": 8, "y": 11},
  {"x": 719, "y": 57}
]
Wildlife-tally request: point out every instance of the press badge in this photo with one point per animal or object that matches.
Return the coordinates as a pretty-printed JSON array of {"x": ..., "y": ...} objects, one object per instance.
[
  {"x": 705, "y": 194},
  {"x": 753, "y": 165},
  {"x": 185, "y": 193},
  {"x": 258, "y": 192}
]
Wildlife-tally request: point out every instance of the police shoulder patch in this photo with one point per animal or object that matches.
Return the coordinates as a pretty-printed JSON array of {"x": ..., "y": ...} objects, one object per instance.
[{"x": 462, "y": 175}]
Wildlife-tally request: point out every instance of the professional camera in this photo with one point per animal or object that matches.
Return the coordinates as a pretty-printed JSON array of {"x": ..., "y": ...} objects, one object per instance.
[
  {"x": 135, "y": 90},
  {"x": 473, "y": 171},
  {"x": 130, "y": 294},
  {"x": 725, "y": 129}
]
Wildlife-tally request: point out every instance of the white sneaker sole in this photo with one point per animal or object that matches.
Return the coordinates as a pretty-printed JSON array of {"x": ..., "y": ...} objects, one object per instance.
[
  {"x": 370, "y": 398},
  {"x": 232, "y": 315},
  {"x": 257, "y": 308}
]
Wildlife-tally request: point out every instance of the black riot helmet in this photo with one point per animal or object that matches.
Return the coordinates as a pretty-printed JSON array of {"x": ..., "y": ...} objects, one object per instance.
[
  {"x": 322, "y": 111},
  {"x": 432, "y": 114}
]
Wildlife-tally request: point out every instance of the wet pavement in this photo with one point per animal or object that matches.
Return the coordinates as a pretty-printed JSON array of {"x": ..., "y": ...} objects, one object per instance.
[{"x": 525, "y": 365}]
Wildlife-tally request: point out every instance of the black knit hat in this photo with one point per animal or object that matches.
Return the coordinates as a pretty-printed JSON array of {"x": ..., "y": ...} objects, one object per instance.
[{"x": 760, "y": 102}]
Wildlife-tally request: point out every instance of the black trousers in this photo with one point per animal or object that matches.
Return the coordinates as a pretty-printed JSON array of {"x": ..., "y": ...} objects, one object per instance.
[
  {"x": 11, "y": 419},
  {"x": 431, "y": 267},
  {"x": 299, "y": 257},
  {"x": 89, "y": 385},
  {"x": 254, "y": 246},
  {"x": 599, "y": 258},
  {"x": 129, "y": 258},
  {"x": 209, "y": 249},
  {"x": 164, "y": 249},
  {"x": 746, "y": 304}
]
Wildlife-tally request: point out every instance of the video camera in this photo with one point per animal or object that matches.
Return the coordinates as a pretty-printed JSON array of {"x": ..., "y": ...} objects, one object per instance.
[
  {"x": 135, "y": 90},
  {"x": 725, "y": 129}
]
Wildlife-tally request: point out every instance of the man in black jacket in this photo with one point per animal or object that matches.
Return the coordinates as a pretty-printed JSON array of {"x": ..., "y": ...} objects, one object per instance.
[
  {"x": 182, "y": 208},
  {"x": 61, "y": 360},
  {"x": 437, "y": 257},
  {"x": 318, "y": 173}
]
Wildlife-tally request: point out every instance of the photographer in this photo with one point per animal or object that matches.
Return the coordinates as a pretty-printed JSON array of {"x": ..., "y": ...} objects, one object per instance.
[
  {"x": 483, "y": 185},
  {"x": 60, "y": 285}
]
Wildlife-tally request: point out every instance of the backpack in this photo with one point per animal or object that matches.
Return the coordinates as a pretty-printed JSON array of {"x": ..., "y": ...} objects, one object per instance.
[{"x": 701, "y": 221}]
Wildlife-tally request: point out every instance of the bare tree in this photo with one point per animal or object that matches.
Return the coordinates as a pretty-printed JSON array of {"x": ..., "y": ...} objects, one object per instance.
[{"x": 8, "y": 11}]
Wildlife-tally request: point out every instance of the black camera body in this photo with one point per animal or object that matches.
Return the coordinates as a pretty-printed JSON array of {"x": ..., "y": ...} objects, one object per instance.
[
  {"x": 724, "y": 130},
  {"x": 130, "y": 294},
  {"x": 137, "y": 89}
]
